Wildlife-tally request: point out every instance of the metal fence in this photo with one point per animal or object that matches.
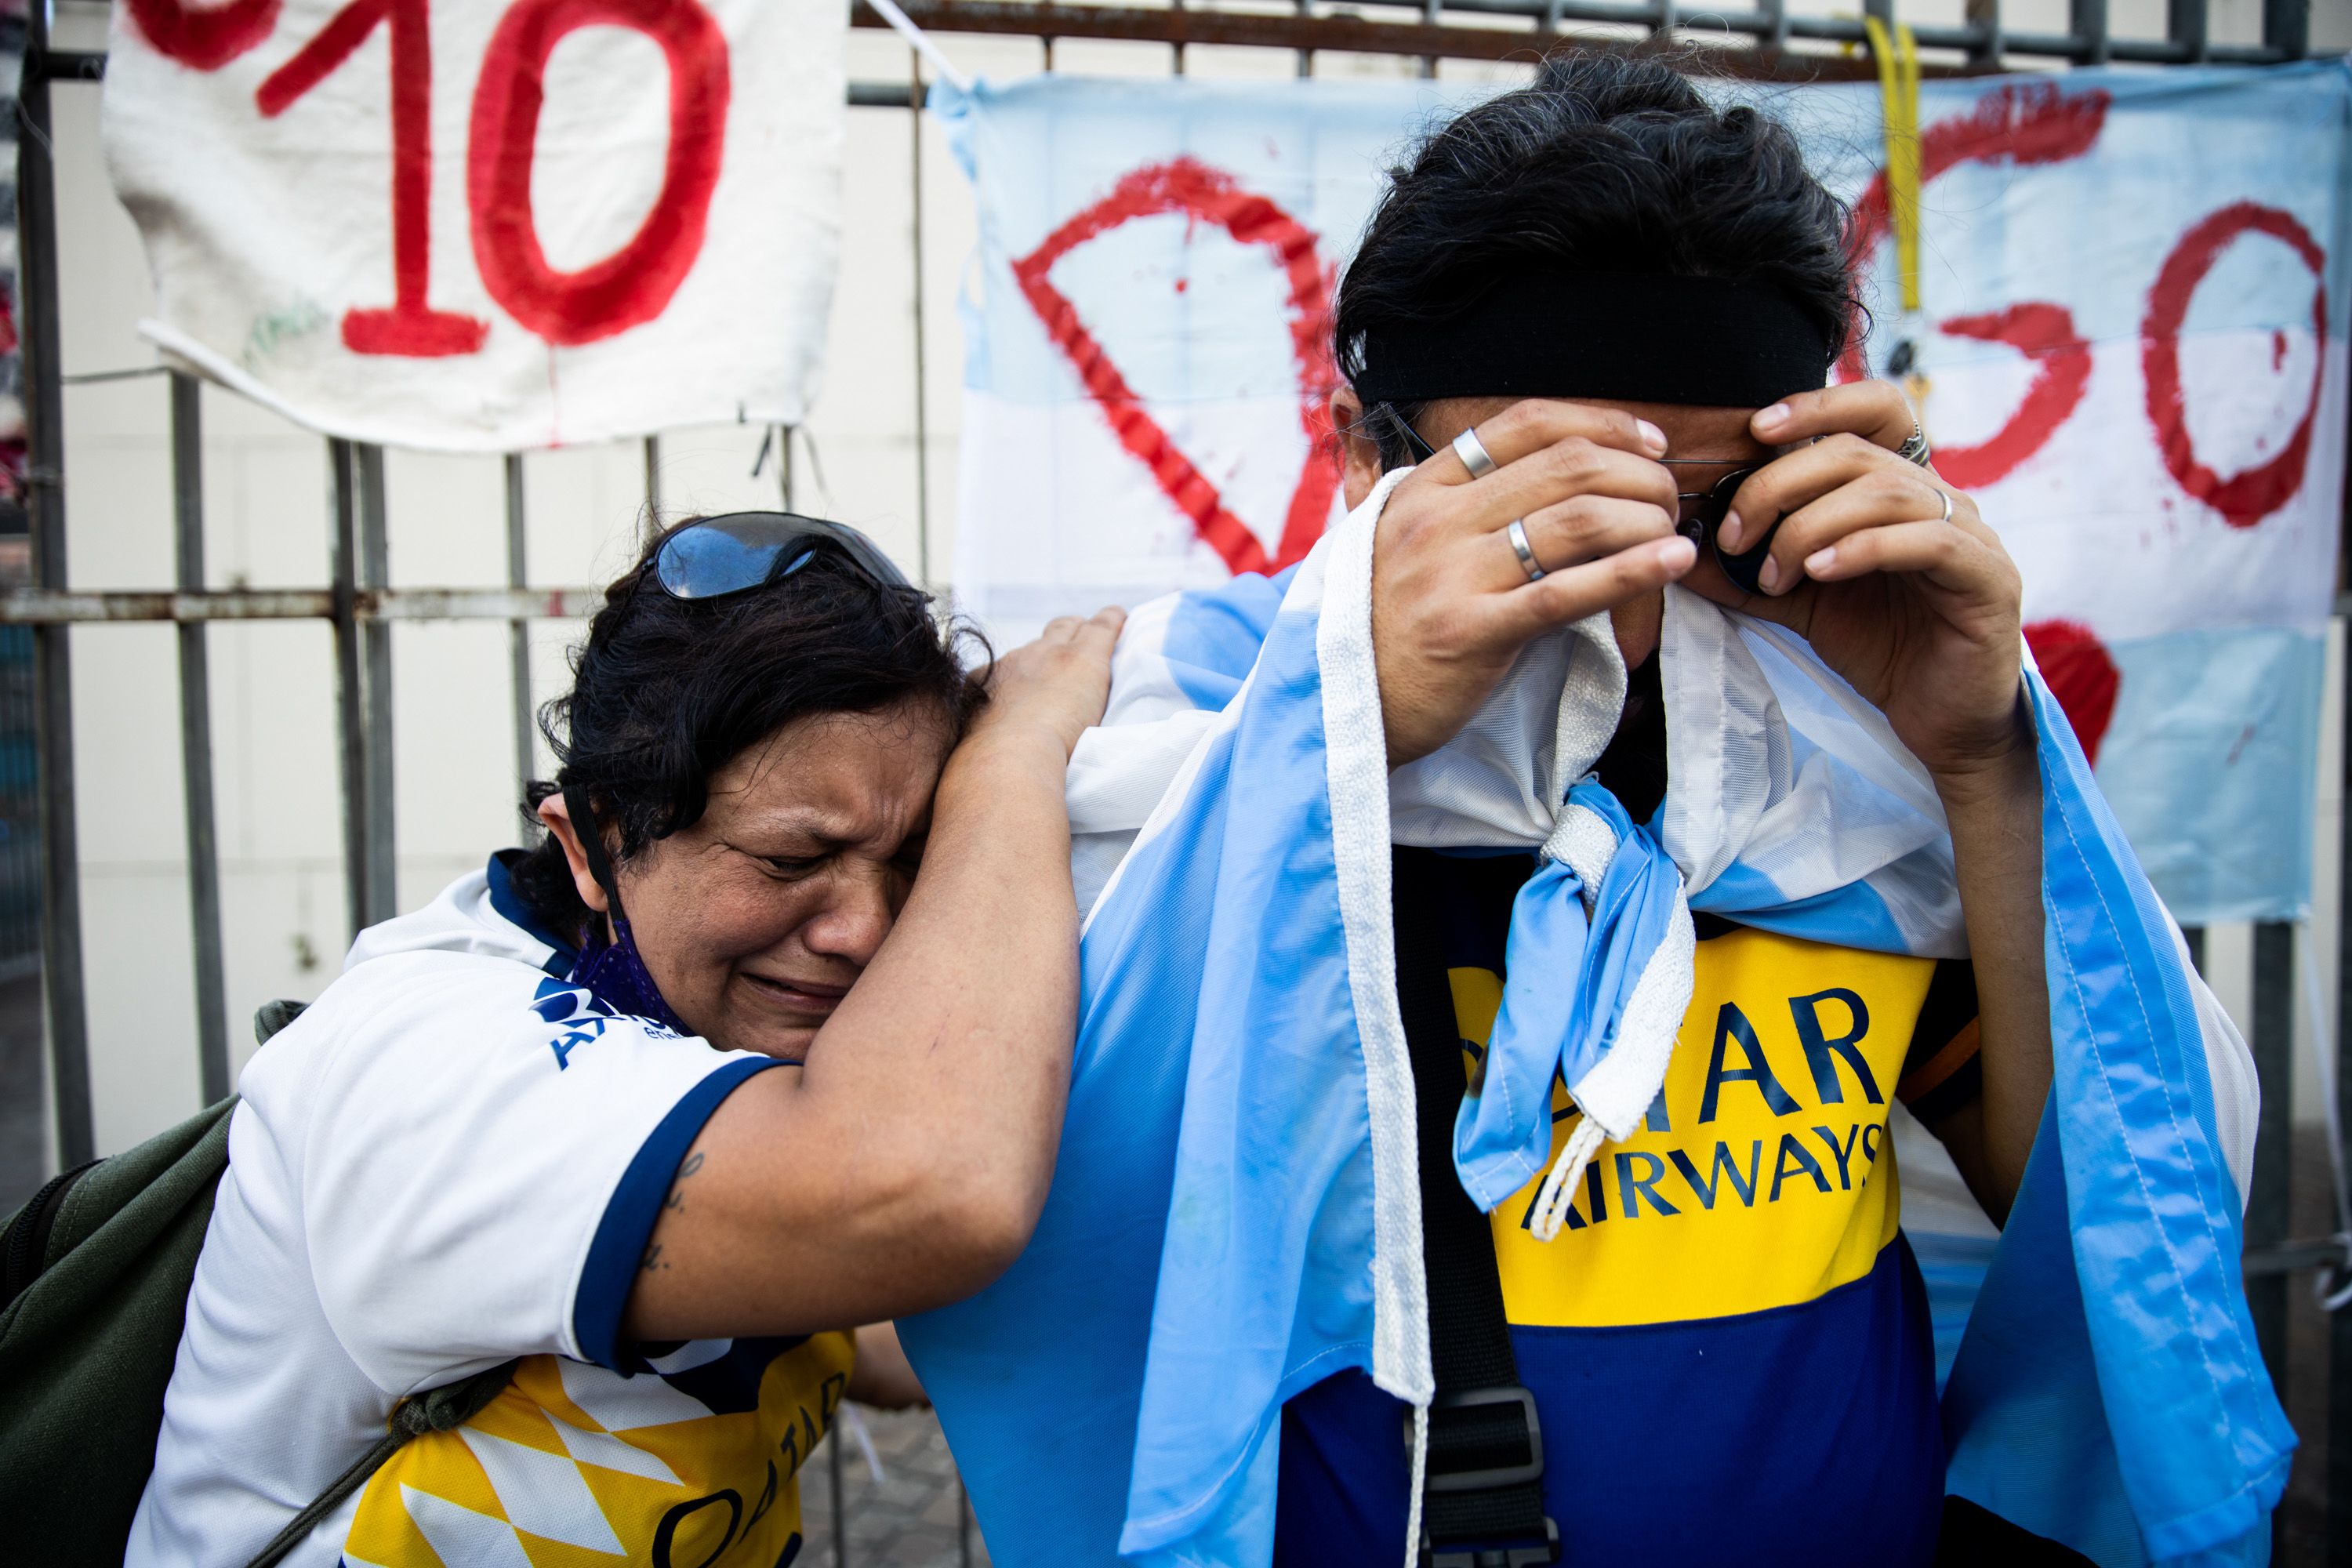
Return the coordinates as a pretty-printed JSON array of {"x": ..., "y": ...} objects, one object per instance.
[{"x": 39, "y": 871}]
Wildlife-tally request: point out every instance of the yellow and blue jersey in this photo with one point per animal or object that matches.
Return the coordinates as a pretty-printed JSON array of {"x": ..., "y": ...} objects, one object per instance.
[{"x": 1728, "y": 1345}]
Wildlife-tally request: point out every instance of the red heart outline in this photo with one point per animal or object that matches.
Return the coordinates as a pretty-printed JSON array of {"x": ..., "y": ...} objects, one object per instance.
[{"x": 1189, "y": 187}]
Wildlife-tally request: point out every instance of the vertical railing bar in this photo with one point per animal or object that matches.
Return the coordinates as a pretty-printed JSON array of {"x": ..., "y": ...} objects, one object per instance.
[
  {"x": 197, "y": 742},
  {"x": 351, "y": 727},
  {"x": 1985, "y": 15},
  {"x": 923, "y": 382},
  {"x": 653, "y": 522},
  {"x": 964, "y": 1522},
  {"x": 1176, "y": 50},
  {"x": 2266, "y": 1203},
  {"x": 62, "y": 979},
  {"x": 1774, "y": 12},
  {"x": 2286, "y": 26},
  {"x": 2194, "y": 936},
  {"x": 1305, "y": 57},
  {"x": 376, "y": 643},
  {"x": 2339, "y": 1323},
  {"x": 840, "y": 1520},
  {"x": 526, "y": 748},
  {"x": 1430, "y": 12},
  {"x": 784, "y": 434},
  {"x": 2185, "y": 24},
  {"x": 2086, "y": 22}
]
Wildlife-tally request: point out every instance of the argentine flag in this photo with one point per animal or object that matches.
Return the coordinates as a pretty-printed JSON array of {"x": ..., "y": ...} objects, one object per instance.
[{"x": 1236, "y": 1216}]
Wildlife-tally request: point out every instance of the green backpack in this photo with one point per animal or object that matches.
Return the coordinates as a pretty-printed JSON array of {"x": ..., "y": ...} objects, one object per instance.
[{"x": 94, "y": 1277}]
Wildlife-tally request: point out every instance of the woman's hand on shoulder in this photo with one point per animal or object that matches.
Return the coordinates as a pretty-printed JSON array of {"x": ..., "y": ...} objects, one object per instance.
[
  {"x": 1055, "y": 687},
  {"x": 1920, "y": 614}
]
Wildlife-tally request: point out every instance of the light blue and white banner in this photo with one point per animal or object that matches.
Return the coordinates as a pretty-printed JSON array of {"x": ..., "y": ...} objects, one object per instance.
[{"x": 2133, "y": 344}]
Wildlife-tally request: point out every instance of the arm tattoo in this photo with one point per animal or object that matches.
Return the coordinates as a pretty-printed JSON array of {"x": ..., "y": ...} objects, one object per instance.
[{"x": 676, "y": 1202}]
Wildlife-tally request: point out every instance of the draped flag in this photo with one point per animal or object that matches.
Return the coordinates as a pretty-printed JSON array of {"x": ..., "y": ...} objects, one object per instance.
[
  {"x": 2132, "y": 352},
  {"x": 487, "y": 227},
  {"x": 1236, "y": 1213}
]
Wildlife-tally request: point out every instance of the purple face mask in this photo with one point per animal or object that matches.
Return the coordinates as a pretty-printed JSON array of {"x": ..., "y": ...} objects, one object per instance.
[{"x": 616, "y": 974}]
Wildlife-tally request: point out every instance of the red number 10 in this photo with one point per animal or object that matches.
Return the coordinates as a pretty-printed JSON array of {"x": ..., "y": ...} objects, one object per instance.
[
  {"x": 626, "y": 289},
  {"x": 411, "y": 327}
]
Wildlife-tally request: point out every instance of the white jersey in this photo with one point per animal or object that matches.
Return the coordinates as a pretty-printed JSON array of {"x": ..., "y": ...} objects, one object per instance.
[{"x": 454, "y": 1159}]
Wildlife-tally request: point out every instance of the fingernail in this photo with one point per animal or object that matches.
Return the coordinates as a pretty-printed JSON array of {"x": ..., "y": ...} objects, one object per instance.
[
  {"x": 1771, "y": 576},
  {"x": 1773, "y": 417},
  {"x": 1652, "y": 437},
  {"x": 1821, "y": 560},
  {"x": 1728, "y": 536},
  {"x": 1677, "y": 554}
]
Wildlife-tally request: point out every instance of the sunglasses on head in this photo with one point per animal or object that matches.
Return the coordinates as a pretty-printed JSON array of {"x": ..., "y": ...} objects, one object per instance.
[
  {"x": 1699, "y": 517},
  {"x": 716, "y": 556}
]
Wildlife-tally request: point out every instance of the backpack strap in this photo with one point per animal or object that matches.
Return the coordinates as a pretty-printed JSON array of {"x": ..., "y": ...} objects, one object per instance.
[
  {"x": 1483, "y": 1502},
  {"x": 435, "y": 1410}
]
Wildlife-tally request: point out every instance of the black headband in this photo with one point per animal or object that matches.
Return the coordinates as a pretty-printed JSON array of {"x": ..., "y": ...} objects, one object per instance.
[{"x": 1642, "y": 337}]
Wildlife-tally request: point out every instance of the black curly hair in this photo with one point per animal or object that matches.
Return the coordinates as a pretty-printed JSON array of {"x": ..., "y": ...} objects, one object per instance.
[
  {"x": 666, "y": 692},
  {"x": 1602, "y": 163}
]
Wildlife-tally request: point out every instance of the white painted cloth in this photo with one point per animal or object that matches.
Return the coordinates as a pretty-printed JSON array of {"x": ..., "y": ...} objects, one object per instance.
[{"x": 486, "y": 227}]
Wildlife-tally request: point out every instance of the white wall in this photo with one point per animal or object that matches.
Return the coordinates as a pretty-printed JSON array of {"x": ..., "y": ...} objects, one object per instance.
[{"x": 266, "y": 493}]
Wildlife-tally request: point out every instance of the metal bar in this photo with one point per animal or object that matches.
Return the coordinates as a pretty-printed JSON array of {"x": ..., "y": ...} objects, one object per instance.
[
  {"x": 2185, "y": 24},
  {"x": 1306, "y": 69},
  {"x": 923, "y": 384},
  {"x": 196, "y": 743},
  {"x": 840, "y": 1518},
  {"x": 1350, "y": 33},
  {"x": 1430, "y": 11},
  {"x": 2293, "y": 1257},
  {"x": 2286, "y": 26},
  {"x": 653, "y": 487},
  {"x": 526, "y": 749},
  {"x": 2087, "y": 20},
  {"x": 350, "y": 725},
  {"x": 2194, "y": 936},
  {"x": 61, "y": 65},
  {"x": 2266, "y": 1204},
  {"x": 45, "y": 452},
  {"x": 1176, "y": 50},
  {"x": 375, "y": 647},
  {"x": 37, "y": 608},
  {"x": 1775, "y": 14},
  {"x": 1984, "y": 15},
  {"x": 2339, "y": 1323}
]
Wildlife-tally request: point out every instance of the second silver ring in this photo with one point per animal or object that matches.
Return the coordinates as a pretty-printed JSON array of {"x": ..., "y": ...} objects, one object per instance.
[
  {"x": 1518, "y": 533},
  {"x": 1474, "y": 454}
]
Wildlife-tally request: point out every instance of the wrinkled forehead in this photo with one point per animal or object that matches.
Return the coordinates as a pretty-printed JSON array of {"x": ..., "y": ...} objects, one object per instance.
[{"x": 843, "y": 777}]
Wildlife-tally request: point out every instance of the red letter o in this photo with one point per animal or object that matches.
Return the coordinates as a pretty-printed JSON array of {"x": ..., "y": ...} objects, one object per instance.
[
  {"x": 2243, "y": 499},
  {"x": 204, "y": 40},
  {"x": 633, "y": 284}
]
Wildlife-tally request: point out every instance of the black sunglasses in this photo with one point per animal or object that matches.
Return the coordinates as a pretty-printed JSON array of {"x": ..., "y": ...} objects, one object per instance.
[
  {"x": 741, "y": 549},
  {"x": 1699, "y": 519}
]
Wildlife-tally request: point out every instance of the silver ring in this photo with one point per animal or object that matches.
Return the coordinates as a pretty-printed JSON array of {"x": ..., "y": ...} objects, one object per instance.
[
  {"x": 1474, "y": 454},
  {"x": 1914, "y": 445},
  {"x": 1946, "y": 497},
  {"x": 1526, "y": 552}
]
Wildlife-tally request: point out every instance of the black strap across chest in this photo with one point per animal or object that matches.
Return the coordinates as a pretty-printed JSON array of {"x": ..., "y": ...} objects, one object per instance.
[{"x": 1483, "y": 1502}]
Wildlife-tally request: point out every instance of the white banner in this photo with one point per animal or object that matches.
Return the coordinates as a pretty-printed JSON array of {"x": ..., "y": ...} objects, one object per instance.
[
  {"x": 2133, "y": 339},
  {"x": 491, "y": 226}
]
